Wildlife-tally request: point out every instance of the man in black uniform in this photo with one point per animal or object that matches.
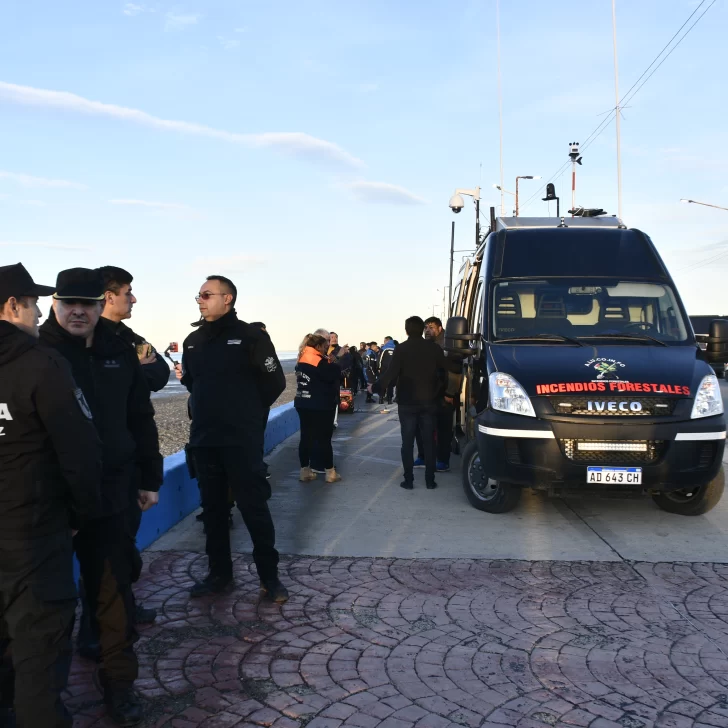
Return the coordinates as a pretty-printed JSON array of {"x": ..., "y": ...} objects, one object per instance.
[
  {"x": 233, "y": 374},
  {"x": 118, "y": 303},
  {"x": 50, "y": 463},
  {"x": 418, "y": 366},
  {"x": 108, "y": 372}
]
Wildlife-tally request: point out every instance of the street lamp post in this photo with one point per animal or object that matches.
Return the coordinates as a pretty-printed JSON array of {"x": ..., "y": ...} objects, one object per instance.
[
  {"x": 524, "y": 176},
  {"x": 707, "y": 204}
]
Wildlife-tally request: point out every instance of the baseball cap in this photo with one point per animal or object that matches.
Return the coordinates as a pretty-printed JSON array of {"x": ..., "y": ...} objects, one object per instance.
[
  {"x": 83, "y": 283},
  {"x": 15, "y": 281}
]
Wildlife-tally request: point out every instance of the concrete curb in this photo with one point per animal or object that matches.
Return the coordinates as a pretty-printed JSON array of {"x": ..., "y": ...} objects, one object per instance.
[{"x": 179, "y": 495}]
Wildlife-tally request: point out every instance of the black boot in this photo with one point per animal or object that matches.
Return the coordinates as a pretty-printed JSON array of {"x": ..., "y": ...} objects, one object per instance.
[
  {"x": 143, "y": 615},
  {"x": 210, "y": 585},
  {"x": 122, "y": 702},
  {"x": 273, "y": 591}
]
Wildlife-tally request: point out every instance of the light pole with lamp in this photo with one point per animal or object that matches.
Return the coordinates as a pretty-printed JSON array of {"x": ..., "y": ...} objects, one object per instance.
[
  {"x": 456, "y": 204},
  {"x": 524, "y": 176},
  {"x": 707, "y": 204}
]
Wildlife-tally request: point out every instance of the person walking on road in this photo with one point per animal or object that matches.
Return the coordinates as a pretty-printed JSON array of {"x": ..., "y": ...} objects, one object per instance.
[
  {"x": 317, "y": 397},
  {"x": 371, "y": 370},
  {"x": 108, "y": 373},
  {"x": 383, "y": 361},
  {"x": 418, "y": 366},
  {"x": 233, "y": 375},
  {"x": 50, "y": 464}
]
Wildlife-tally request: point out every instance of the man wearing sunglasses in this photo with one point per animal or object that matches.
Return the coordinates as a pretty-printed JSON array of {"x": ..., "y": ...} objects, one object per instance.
[
  {"x": 233, "y": 375},
  {"x": 109, "y": 374}
]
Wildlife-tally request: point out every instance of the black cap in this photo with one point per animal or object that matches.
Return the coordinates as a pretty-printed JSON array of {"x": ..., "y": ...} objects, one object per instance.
[
  {"x": 15, "y": 282},
  {"x": 82, "y": 283}
]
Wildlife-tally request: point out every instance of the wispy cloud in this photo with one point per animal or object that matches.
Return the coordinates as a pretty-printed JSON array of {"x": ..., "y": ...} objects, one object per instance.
[
  {"x": 172, "y": 21},
  {"x": 51, "y": 246},
  {"x": 132, "y": 9},
  {"x": 240, "y": 263},
  {"x": 27, "y": 180},
  {"x": 297, "y": 144},
  {"x": 157, "y": 205},
  {"x": 227, "y": 43},
  {"x": 383, "y": 192},
  {"x": 241, "y": 30}
]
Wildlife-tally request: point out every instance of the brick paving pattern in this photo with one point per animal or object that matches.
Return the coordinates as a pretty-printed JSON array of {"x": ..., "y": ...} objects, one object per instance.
[{"x": 392, "y": 643}]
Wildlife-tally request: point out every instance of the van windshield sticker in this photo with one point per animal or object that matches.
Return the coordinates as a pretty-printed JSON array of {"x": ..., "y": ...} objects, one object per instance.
[{"x": 613, "y": 386}]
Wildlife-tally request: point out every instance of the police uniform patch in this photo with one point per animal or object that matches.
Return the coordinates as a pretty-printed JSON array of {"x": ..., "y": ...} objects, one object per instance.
[
  {"x": 78, "y": 394},
  {"x": 270, "y": 364}
]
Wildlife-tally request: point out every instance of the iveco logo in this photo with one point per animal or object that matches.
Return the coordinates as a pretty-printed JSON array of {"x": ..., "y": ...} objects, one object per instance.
[{"x": 614, "y": 406}]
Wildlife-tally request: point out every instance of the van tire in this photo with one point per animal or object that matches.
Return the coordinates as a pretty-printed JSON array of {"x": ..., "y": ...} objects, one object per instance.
[
  {"x": 501, "y": 498},
  {"x": 705, "y": 498}
]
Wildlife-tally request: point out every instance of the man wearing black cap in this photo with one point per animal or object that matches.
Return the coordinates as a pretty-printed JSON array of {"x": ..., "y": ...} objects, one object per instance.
[
  {"x": 118, "y": 303},
  {"x": 50, "y": 464},
  {"x": 108, "y": 372}
]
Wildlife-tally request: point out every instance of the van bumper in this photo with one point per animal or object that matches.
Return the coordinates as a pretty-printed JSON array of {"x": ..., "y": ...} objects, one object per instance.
[{"x": 544, "y": 454}]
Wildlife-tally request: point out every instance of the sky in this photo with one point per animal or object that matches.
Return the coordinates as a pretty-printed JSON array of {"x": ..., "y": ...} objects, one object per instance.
[{"x": 308, "y": 150}]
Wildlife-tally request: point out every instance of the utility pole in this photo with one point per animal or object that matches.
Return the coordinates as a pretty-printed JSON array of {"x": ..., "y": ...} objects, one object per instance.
[{"x": 618, "y": 110}]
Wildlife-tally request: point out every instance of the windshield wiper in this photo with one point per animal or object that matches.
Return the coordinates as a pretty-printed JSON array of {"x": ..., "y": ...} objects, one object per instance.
[
  {"x": 634, "y": 337},
  {"x": 542, "y": 337}
]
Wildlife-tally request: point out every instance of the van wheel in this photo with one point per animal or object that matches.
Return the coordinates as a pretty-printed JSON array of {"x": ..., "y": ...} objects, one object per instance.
[
  {"x": 489, "y": 497},
  {"x": 693, "y": 501}
]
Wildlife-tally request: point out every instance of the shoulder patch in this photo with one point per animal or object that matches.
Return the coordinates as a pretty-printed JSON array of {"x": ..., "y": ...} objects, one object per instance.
[
  {"x": 78, "y": 394},
  {"x": 235, "y": 341},
  {"x": 271, "y": 364}
]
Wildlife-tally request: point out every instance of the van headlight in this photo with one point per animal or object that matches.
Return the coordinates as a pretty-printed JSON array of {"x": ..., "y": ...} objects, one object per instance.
[
  {"x": 708, "y": 401},
  {"x": 507, "y": 395}
]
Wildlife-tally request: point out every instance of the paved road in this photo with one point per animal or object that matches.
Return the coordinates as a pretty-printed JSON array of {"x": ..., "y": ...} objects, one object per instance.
[
  {"x": 369, "y": 515},
  {"x": 578, "y": 613}
]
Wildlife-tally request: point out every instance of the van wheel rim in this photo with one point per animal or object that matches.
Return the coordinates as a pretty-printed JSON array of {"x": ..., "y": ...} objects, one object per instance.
[
  {"x": 478, "y": 482},
  {"x": 684, "y": 496}
]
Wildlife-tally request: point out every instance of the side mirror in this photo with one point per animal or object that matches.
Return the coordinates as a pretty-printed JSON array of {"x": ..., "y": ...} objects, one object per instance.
[
  {"x": 457, "y": 338},
  {"x": 717, "y": 350}
]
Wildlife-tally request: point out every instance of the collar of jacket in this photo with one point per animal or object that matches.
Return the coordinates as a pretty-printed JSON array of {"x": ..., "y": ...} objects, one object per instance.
[
  {"x": 213, "y": 328},
  {"x": 120, "y": 329},
  {"x": 13, "y": 342},
  {"x": 310, "y": 356}
]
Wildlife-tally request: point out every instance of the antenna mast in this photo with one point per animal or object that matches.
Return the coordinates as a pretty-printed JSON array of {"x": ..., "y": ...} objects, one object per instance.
[
  {"x": 500, "y": 107},
  {"x": 618, "y": 110}
]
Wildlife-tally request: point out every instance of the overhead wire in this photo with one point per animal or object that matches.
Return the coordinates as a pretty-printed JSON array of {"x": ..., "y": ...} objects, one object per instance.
[{"x": 630, "y": 94}]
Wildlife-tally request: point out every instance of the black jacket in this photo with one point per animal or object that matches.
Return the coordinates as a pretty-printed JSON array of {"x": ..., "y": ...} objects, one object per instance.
[
  {"x": 233, "y": 374},
  {"x": 317, "y": 382},
  {"x": 156, "y": 373},
  {"x": 418, "y": 366},
  {"x": 50, "y": 465},
  {"x": 116, "y": 390}
]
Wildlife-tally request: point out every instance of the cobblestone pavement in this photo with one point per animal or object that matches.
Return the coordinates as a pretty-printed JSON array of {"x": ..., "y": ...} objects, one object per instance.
[{"x": 395, "y": 643}]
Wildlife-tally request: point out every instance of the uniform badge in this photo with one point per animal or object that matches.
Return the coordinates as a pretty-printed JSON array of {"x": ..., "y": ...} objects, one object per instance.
[
  {"x": 78, "y": 394},
  {"x": 270, "y": 364}
]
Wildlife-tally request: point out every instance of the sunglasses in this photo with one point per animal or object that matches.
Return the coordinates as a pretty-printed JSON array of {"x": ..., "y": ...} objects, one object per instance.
[{"x": 206, "y": 295}]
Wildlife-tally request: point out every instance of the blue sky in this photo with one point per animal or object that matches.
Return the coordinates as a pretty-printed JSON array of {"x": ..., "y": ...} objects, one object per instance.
[{"x": 308, "y": 150}]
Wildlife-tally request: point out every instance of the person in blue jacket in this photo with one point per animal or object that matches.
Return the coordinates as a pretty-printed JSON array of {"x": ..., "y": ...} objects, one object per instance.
[
  {"x": 383, "y": 360},
  {"x": 317, "y": 397}
]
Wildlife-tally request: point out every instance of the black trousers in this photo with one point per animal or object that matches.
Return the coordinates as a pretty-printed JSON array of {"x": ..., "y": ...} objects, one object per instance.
[
  {"x": 35, "y": 657},
  {"x": 242, "y": 470},
  {"x": 317, "y": 429},
  {"x": 443, "y": 434},
  {"x": 106, "y": 554},
  {"x": 414, "y": 418}
]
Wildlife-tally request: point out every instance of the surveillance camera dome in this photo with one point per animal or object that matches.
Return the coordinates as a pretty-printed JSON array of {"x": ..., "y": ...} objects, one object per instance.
[{"x": 456, "y": 203}]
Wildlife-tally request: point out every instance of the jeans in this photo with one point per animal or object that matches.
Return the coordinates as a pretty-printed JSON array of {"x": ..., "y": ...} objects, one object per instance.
[
  {"x": 317, "y": 428},
  {"x": 414, "y": 418},
  {"x": 242, "y": 470},
  {"x": 443, "y": 434}
]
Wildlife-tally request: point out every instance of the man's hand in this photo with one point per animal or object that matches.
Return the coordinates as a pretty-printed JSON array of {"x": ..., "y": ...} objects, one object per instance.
[
  {"x": 148, "y": 359},
  {"x": 178, "y": 371},
  {"x": 147, "y": 499},
  {"x": 449, "y": 400}
]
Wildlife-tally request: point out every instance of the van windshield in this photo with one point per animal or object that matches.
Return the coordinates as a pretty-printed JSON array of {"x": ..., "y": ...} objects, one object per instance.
[{"x": 623, "y": 311}]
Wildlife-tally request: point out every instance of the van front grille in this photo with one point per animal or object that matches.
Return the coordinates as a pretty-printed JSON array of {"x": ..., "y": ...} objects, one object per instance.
[{"x": 599, "y": 406}]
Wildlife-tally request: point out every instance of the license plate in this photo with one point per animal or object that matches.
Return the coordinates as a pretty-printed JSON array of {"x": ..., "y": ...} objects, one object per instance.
[{"x": 624, "y": 476}]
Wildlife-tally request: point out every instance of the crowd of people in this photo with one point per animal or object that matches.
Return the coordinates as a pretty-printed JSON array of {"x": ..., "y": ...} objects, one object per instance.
[{"x": 80, "y": 462}]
